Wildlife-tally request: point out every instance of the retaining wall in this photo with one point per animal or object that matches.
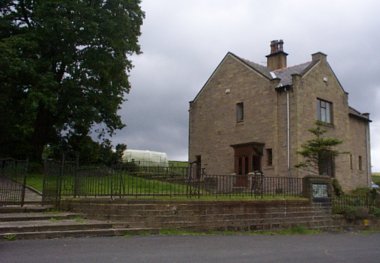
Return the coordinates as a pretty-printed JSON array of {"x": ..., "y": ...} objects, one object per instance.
[{"x": 204, "y": 215}]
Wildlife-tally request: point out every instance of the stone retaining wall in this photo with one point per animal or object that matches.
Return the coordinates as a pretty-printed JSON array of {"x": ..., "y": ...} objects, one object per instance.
[{"x": 204, "y": 215}]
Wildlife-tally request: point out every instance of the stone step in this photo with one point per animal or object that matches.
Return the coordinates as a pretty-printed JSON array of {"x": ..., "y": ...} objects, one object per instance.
[
  {"x": 77, "y": 233},
  {"x": 7, "y": 217},
  {"x": 51, "y": 225},
  {"x": 25, "y": 208}
]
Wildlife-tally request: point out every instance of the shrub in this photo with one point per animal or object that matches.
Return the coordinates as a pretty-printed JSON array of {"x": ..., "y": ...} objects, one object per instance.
[
  {"x": 352, "y": 213},
  {"x": 338, "y": 191},
  {"x": 376, "y": 212},
  {"x": 361, "y": 191},
  {"x": 35, "y": 167}
]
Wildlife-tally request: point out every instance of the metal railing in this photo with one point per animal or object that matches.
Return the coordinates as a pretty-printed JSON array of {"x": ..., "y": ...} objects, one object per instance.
[
  {"x": 12, "y": 181},
  {"x": 256, "y": 185},
  {"x": 344, "y": 202},
  {"x": 136, "y": 181}
]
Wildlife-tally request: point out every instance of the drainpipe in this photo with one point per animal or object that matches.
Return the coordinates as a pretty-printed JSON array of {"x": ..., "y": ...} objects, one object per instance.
[
  {"x": 288, "y": 127},
  {"x": 368, "y": 151}
]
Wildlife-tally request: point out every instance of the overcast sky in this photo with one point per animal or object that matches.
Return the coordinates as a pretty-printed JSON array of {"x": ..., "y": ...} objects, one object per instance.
[{"x": 183, "y": 41}]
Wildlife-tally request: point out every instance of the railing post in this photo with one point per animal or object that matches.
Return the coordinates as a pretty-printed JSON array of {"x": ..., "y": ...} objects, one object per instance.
[
  {"x": 317, "y": 188},
  {"x": 25, "y": 172}
]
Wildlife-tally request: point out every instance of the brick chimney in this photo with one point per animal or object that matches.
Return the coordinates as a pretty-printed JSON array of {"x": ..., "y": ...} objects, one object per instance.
[{"x": 277, "y": 57}]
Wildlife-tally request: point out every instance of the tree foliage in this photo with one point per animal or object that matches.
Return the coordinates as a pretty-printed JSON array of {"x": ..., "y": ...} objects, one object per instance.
[
  {"x": 63, "y": 69},
  {"x": 319, "y": 151}
]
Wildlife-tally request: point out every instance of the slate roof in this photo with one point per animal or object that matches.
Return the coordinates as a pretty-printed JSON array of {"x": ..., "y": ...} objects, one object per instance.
[
  {"x": 284, "y": 74},
  {"x": 262, "y": 69},
  {"x": 356, "y": 113}
]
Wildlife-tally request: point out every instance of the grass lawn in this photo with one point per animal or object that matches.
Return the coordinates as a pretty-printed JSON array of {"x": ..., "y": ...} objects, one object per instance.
[
  {"x": 35, "y": 180},
  {"x": 178, "y": 164}
]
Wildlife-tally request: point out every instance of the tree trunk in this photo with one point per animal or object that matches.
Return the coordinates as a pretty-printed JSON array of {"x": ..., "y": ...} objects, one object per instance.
[{"x": 43, "y": 133}]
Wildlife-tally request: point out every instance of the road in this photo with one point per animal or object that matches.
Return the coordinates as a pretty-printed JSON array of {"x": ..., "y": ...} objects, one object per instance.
[{"x": 326, "y": 248}]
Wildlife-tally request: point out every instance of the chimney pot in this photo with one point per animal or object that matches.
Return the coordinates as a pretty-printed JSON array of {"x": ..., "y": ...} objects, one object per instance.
[{"x": 277, "y": 57}]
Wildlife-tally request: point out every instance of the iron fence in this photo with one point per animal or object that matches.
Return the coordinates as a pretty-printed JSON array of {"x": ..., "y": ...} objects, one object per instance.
[
  {"x": 256, "y": 185},
  {"x": 343, "y": 202},
  {"x": 137, "y": 181},
  {"x": 12, "y": 181}
]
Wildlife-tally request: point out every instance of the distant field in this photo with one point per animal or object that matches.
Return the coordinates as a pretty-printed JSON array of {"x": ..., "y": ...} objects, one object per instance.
[
  {"x": 178, "y": 164},
  {"x": 376, "y": 178}
]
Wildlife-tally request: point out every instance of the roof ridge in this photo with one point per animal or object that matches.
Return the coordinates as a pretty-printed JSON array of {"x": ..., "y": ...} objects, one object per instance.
[
  {"x": 297, "y": 65},
  {"x": 263, "y": 70}
]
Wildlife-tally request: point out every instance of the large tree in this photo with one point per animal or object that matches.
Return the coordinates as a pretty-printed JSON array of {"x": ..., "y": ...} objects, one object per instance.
[{"x": 63, "y": 69}]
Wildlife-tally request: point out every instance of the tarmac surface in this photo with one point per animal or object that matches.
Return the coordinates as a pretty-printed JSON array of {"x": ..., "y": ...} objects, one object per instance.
[{"x": 326, "y": 248}]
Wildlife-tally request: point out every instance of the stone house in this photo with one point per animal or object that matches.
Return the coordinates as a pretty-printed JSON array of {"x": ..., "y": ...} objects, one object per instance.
[{"x": 248, "y": 117}]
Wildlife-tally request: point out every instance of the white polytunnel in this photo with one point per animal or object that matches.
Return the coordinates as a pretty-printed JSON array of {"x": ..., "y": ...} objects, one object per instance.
[{"x": 146, "y": 157}]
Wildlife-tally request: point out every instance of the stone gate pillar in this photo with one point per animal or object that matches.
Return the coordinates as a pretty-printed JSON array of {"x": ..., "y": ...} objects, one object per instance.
[{"x": 317, "y": 188}]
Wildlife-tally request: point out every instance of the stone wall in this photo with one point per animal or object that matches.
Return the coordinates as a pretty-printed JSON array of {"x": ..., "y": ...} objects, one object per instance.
[
  {"x": 203, "y": 215},
  {"x": 213, "y": 126}
]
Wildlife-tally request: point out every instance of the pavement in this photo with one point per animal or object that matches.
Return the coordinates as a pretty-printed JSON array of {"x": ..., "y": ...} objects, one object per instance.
[
  {"x": 31, "y": 195},
  {"x": 327, "y": 248}
]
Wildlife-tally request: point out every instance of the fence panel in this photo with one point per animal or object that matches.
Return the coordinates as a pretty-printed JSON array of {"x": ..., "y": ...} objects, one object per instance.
[
  {"x": 343, "y": 202},
  {"x": 12, "y": 181},
  {"x": 257, "y": 186},
  {"x": 139, "y": 181}
]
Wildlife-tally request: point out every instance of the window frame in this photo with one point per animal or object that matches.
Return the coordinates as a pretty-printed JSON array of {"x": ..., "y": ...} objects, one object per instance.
[
  {"x": 239, "y": 112},
  {"x": 325, "y": 111},
  {"x": 269, "y": 154}
]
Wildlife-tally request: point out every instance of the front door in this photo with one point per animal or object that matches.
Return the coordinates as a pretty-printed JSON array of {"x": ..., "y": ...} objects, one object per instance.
[
  {"x": 243, "y": 168},
  {"x": 247, "y": 159}
]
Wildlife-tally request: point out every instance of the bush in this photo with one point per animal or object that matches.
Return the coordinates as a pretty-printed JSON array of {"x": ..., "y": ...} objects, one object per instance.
[
  {"x": 361, "y": 191},
  {"x": 376, "y": 212},
  {"x": 36, "y": 168},
  {"x": 352, "y": 213},
  {"x": 338, "y": 191}
]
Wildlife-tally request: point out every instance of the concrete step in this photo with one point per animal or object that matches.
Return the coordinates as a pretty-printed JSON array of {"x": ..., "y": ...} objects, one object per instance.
[
  {"x": 25, "y": 209},
  {"x": 34, "y": 221},
  {"x": 7, "y": 217},
  {"x": 77, "y": 233},
  {"x": 52, "y": 225}
]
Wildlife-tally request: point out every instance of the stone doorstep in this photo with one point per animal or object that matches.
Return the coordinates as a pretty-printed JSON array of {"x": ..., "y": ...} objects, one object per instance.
[{"x": 77, "y": 233}]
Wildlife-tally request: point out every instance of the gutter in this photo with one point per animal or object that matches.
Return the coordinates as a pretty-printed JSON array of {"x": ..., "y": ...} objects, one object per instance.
[{"x": 286, "y": 88}]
